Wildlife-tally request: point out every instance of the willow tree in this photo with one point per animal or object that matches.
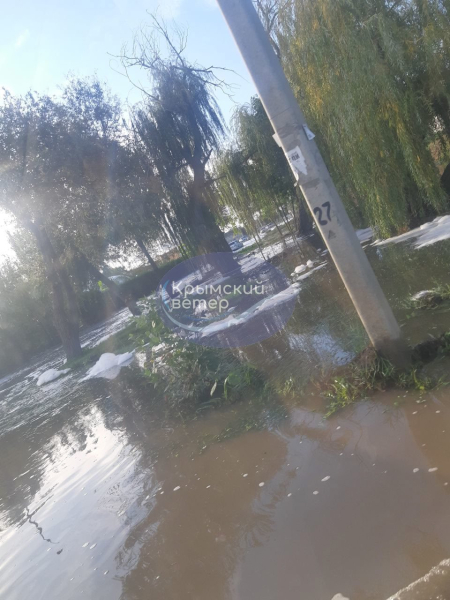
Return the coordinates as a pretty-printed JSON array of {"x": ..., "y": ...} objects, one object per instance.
[
  {"x": 253, "y": 175},
  {"x": 58, "y": 174},
  {"x": 179, "y": 125},
  {"x": 39, "y": 168},
  {"x": 373, "y": 78}
]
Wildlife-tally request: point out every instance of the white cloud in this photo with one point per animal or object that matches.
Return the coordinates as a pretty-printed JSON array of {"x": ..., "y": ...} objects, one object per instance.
[{"x": 22, "y": 38}]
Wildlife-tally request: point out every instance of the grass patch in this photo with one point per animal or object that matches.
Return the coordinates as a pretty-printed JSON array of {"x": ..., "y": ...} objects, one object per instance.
[
  {"x": 248, "y": 249},
  {"x": 371, "y": 373},
  {"x": 118, "y": 343},
  {"x": 429, "y": 299}
]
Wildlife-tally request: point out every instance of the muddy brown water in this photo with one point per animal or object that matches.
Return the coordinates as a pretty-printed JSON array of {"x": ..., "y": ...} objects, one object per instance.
[{"x": 103, "y": 498}]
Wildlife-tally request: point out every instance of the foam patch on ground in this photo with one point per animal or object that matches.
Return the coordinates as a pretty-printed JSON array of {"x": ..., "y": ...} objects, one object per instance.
[
  {"x": 108, "y": 365},
  {"x": 50, "y": 375},
  {"x": 425, "y": 235}
]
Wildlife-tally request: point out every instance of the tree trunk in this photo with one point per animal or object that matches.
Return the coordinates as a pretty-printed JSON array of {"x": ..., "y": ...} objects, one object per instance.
[
  {"x": 445, "y": 180},
  {"x": 64, "y": 303},
  {"x": 113, "y": 288},
  {"x": 146, "y": 253},
  {"x": 280, "y": 233},
  {"x": 305, "y": 224},
  {"x": 208, "y": 235}
]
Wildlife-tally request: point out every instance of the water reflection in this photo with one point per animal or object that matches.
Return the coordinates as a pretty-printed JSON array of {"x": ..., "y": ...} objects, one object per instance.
[{"x": 103, "y": 497}]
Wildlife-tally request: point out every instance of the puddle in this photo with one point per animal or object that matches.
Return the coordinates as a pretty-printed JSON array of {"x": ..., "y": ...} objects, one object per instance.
[{"x": 101, "y": 496}]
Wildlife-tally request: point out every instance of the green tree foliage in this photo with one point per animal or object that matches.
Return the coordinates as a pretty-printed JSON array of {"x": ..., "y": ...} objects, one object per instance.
[
  {"x": 41, "y": 174},
  {"x": 253, "y": 175},
  {"x": 373, "y": 77},
  {"x": 26, "y": 320},
  {"x": 179, "y": 125},
  {"x": 60, "y": 175}
]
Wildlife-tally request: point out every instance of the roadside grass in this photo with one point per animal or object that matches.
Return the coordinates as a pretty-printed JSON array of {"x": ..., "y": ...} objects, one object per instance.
[
  {"x": 430, "y": 299},
  {"x": 118, "y": 343},
  {"x": 370, "y": 372},
  {"x": 248, "y": 249}
]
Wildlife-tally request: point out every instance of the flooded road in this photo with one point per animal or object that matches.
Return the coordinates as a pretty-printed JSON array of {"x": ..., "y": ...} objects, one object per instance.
[{"x": 103, "y": 497}]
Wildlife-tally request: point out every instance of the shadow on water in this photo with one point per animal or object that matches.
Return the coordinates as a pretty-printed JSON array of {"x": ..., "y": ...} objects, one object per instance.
[{"x": 103, "y": 496}]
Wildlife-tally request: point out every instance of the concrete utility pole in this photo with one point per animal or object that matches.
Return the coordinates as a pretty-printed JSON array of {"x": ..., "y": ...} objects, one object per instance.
[{"x": 314, "y": 179}]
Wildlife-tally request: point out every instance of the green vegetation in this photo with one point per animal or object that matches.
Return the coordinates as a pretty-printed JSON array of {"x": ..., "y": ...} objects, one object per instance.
[
  {"x": 253, "y": 176},
  {"x": 190, "y": 376},
  {"x": 85, "y": 184},
  {"x": 118, "y": 343},
  {"x": 87, "y": 181},
  {"x": 370, "y": 373},
  {"x": 372, "y": 77},
  {"x": 429, "y": 299}
]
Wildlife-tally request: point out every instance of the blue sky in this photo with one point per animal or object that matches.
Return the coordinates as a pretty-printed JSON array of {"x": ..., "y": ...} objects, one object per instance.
[{"x": 42, "y": 42}]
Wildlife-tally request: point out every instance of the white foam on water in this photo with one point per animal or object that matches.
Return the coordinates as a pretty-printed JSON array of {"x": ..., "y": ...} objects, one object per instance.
[
  {"x": 108, "y": 365},
  {"x": 267, "y": 304},
  {"x": 50, "y": 375},
  {"x": 425, "y": 235},
  {"x": 435, "y": 584},
  {"x": 300, "y": 269},
  {"x": 364, "y": 235}
]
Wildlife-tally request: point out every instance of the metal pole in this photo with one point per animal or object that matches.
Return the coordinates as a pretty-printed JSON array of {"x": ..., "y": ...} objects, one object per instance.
[{"x": 314, "y": 179}]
